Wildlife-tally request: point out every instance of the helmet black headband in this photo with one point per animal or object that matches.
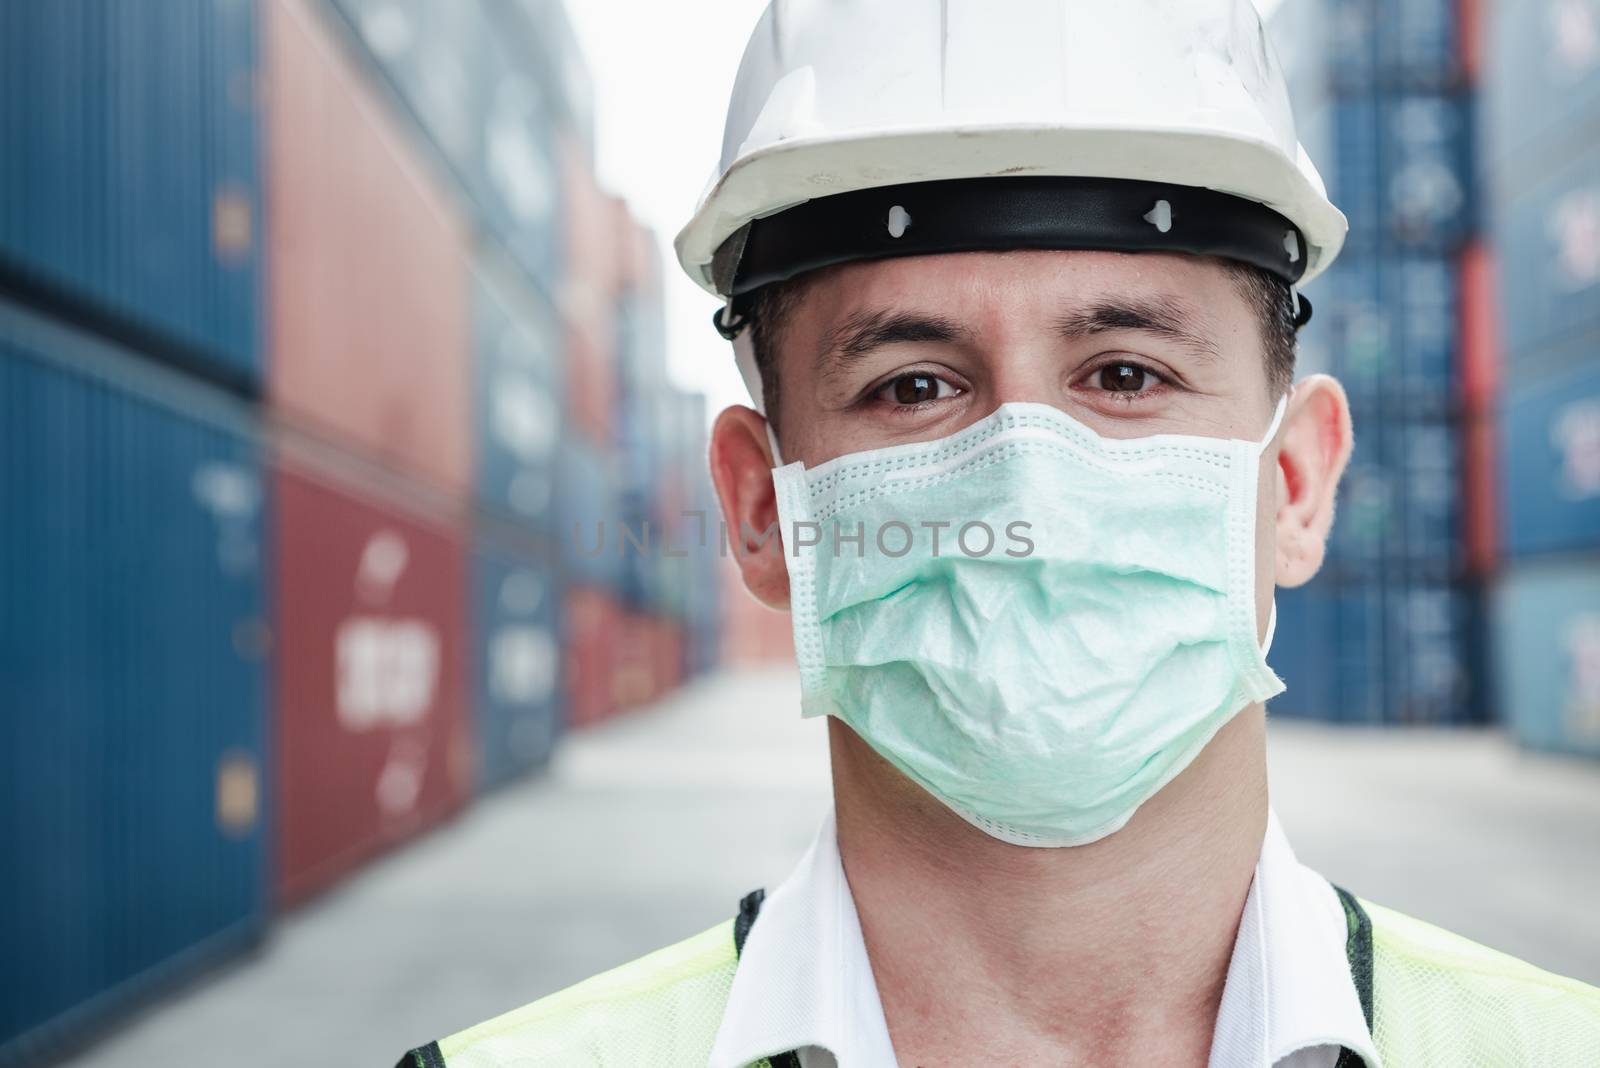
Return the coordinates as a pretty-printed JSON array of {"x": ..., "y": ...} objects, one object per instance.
[{"x": 990, "y": 214}]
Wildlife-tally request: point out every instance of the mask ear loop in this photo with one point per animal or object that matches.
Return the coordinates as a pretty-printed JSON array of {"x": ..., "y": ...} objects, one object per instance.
[{"x": 1261, "y": 447}]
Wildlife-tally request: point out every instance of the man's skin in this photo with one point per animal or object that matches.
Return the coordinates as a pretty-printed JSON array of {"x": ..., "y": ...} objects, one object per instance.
[{"x": 985, "y": 952}]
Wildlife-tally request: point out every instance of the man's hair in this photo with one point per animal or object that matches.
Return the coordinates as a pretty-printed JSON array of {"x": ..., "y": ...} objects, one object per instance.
[{"x": 1267, "y": 294}]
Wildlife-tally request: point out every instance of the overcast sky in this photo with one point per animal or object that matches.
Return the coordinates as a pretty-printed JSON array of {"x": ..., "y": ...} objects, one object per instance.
[{"x": 662, "y": 74}]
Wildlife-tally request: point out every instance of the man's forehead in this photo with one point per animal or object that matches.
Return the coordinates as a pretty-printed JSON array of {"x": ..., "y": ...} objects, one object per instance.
[
  {"x": 973, "y": 281},
  {"x": 964, "y": 297}
]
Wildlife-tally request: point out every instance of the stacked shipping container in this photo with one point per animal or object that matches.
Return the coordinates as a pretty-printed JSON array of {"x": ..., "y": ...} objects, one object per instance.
[
  {"x": 459, "y": 354},
  {"x": 133, "y": 640},
  {"x": 1542, "y": 169},
  {"x": 1389, "y": 631},
  {"x": 134, "y": 631}
]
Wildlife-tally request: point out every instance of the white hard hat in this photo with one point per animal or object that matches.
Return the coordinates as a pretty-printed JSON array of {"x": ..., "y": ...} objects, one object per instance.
[{"x": 862, "y": 129}]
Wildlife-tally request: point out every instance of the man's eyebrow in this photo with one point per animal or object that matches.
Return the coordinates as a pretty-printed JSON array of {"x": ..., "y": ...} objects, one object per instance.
[
  {"x": 1163, "y": 319},
  {"x": 864, "y": 332}
]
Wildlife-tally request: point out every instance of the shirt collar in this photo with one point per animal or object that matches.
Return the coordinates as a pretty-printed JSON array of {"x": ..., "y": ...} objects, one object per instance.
[
  {"x": 804, "y": 978},
  {"x": 1289, "y": 986}
]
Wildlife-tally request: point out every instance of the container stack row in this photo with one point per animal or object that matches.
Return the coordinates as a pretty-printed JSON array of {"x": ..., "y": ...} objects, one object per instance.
[
  {"x": 320, "y": 345},
  {"x": 1541, "y": 166},
  {"x": 1390, "y": 630}
]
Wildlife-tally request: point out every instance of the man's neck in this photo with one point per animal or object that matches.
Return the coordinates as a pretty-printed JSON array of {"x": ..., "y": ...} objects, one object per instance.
[{"x": 1110, "y": 953}]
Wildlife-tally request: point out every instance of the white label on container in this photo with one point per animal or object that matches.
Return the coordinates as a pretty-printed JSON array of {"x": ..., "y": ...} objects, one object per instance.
[
  {"x": 388, "y": 672},
  {"x": 522, "y": 665},
  {"x": 1575, "y": 435}
]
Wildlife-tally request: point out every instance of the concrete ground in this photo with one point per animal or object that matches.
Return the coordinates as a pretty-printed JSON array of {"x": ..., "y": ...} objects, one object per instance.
[{"x": 651, "y": 827}]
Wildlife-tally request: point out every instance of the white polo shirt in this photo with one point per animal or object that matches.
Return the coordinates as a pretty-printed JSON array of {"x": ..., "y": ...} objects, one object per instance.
[{"x": 805, "y": 983}]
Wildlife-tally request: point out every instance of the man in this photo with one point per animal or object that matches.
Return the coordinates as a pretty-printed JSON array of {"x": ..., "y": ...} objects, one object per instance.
[{"x": 1023, "y": 277}]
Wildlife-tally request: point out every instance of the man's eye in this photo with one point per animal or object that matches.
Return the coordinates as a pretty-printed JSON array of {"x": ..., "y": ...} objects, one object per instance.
[
  {"x": 1125, "y": 378},
  {"x": 912, "y": 389}
]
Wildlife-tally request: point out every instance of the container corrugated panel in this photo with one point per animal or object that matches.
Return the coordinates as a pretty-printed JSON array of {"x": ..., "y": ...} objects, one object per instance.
[
  {"x": 1400, "y": 498},
  {"x": 548, "y": 33},
  {"x": 1393, "y": 327},
  {"x": 670, "y": 653},
  {"x": 1352, "y": 44},
  {"x": 133, "y": 645},
  {"x": 590, "y": 526},
  {"x": 1427, "y": 166},
  {"x": 370, "y": 296},
  {"x": 1541, "y": 86},
  {"x": 1402, "y": 169},
  {"x": 1301, "y": 644},
  {"x": 1551, "y": 460},
  {"x": 518, "y": 392},
  {"x": 1419, "y": 42},
  {"x": 751, "y": 632},
  {"x": 1549, "y": 242},
  {"x": 129, "y": 187},
  {"x": 1547, "y": 654},
  {"x": 475, "y": 94},
  {"x": 1381, "y": 649},
  {"x": 1432, "y": 662},
  {"x": 373, "y": 734},
  {"x": 633, "y": 665},
  {"x": 516, "y": 656},
  {"x": 1354, "y": 180},
  {"x": 589, "y": 296},
  {"x": 592, "y": 632}
]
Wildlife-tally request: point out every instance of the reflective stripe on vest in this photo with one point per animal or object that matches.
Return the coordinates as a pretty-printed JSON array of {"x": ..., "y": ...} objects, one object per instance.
[{"x": 1432, "y": 999}]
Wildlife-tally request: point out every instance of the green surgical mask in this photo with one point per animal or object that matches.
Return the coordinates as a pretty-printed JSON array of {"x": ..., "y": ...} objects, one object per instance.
[{"x": 1040, "y": 626}]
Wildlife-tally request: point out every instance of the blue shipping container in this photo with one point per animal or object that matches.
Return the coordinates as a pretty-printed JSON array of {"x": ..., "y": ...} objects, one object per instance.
[
  {"x": 517, "y": 657},
  {"x": 1551, "y": 470},
  {"x": 1400, "y": 499},
  {"x": 589, "y": 521},
  {"x": 517, "y": 386},
  {"x": 1351, "y": 43},
  {"x": 129, "y": 184},
  {"x": 477, "y": 95},
  {"x": 1402, "y": 169},
  {"x": 1547, "y": 654},
  {"x": 1549, "y": 241},
  {"x": 1354, "y": 175},
  {"x": 1393, "y": 332},
  {"x": 1332, "y": 652},
  {"x": 132, "y": 640},
  {"x": 1427, "y": 167},
  {"x": 1432, "y": 662},
  {"x": 1541, "y": 88},
  {"x": 1418, "y": 43},
  {"x": 1392, "y": 44},
  {"x": 543, "y": 32}
]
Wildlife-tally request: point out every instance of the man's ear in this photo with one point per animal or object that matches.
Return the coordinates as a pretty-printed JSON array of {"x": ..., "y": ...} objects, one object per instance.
[
  {"x": 741, "y": 468},
  {"x": 1312, "y": 452}
]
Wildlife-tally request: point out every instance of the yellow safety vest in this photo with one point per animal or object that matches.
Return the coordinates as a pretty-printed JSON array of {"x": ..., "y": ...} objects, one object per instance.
[{"x": 1431, "y": 998}]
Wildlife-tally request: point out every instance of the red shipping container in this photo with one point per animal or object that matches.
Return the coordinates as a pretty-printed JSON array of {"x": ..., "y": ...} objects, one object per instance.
[
  {"x": 594, "y": 628},
  {"x": 368, "y": 296},
  {"x": 1480, "y": 390},
  {"x": 1480, "y": 329},
  {"x": 752, "y": 633},
  {"x": 589, "y": 296},
  {"x": 669, "y": 657},
  {"x": 373, "y": 735},
  {"x": 591, "y": 382},
  {"x": 633, "y": 676}
]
